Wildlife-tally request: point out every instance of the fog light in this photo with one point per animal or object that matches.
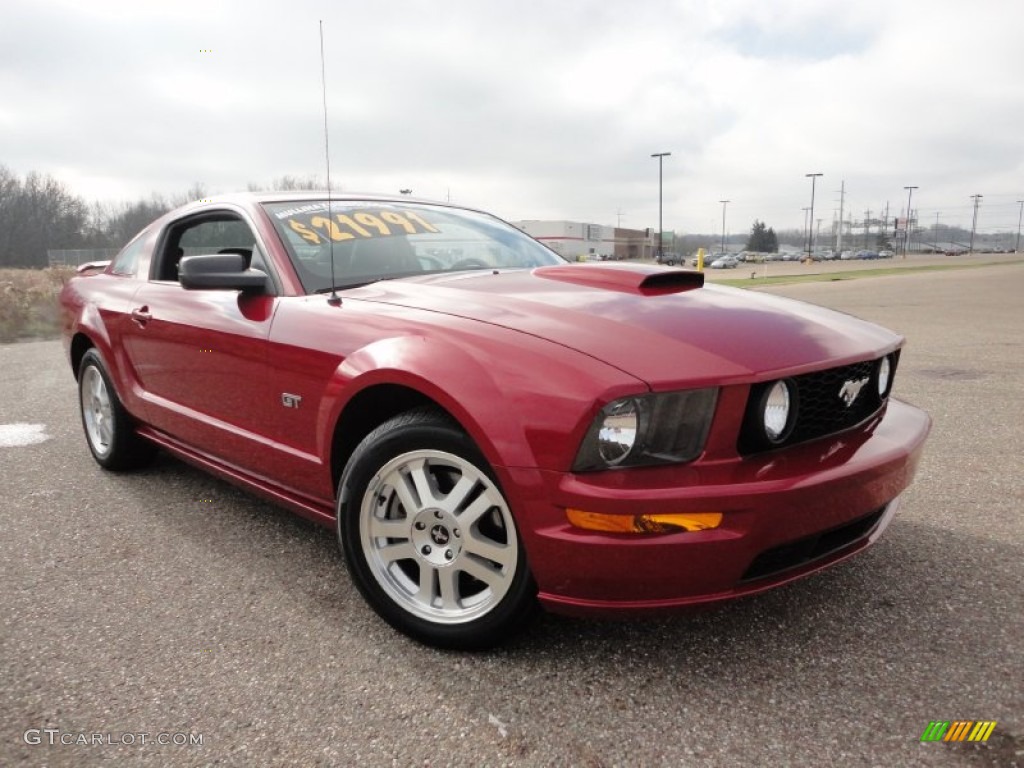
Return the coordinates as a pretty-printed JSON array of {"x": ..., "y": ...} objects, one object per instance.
[
  {"x": 776, "y": 412},
  {"x": 884, "y": 376},
  {"x": 656, "y": 523}
]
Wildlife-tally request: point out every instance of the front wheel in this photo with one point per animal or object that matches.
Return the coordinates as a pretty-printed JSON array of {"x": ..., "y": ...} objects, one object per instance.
[{"x": 428, "y": 535}]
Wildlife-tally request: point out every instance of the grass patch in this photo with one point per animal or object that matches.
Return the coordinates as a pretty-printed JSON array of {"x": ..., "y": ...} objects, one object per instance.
[
  {"x": 28, "y": 302},
  {"x": 853, "y": 274}
]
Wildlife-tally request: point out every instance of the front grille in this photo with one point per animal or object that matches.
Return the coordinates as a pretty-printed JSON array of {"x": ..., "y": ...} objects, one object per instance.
[
  {"x": 820, "y": 408},
  {"x": 811, "y": 548}
]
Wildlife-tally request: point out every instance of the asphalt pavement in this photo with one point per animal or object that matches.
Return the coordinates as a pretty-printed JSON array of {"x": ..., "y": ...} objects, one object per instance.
[{"x": 164, "y": 605}]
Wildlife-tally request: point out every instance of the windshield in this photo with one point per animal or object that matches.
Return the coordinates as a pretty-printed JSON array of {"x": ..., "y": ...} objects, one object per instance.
[{"x": 376, "y": 241}]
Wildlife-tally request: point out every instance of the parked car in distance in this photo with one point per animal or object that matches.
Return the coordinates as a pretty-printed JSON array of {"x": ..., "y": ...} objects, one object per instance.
[
  {"x": 670, "y": 258},
  {"x": 724, "y": 262},
  {"x": 484, "y": 426}
]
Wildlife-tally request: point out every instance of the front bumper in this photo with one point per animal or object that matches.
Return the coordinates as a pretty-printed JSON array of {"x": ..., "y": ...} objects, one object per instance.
[{"x": 786, "y": 513}]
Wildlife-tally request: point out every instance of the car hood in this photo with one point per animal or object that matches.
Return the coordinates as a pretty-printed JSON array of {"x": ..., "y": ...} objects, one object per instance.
[{"x": 674, "y": 334}]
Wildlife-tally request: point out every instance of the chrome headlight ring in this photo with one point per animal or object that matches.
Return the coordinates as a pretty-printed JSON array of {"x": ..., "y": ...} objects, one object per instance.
[{"x": 652, "y": 428}]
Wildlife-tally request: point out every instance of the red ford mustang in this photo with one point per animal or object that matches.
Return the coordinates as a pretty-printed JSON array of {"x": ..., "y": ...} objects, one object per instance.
[{"x": 487, "y": 426}]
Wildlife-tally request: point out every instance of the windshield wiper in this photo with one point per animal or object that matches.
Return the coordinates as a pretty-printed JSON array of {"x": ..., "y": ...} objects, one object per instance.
[{"x": 346, "y": 286}]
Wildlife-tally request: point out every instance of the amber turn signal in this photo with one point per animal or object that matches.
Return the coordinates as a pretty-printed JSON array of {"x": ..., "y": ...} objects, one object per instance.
[{"x": 658, "y": 523}]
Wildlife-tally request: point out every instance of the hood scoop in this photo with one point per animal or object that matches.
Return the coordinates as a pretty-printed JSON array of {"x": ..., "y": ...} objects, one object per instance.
[{"x": 639, "y": 279}]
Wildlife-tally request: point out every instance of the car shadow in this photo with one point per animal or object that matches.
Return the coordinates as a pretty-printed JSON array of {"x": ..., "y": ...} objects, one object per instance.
[
  {"x": 886, "y": 627},
  {"x": 910, "y": 580}
]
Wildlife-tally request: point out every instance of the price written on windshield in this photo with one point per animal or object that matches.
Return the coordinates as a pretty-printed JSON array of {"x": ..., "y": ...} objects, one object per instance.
[{"x": 357, "y": 225}]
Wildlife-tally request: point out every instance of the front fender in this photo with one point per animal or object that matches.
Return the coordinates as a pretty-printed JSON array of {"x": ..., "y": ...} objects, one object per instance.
[{"x": 526, "y": 402}]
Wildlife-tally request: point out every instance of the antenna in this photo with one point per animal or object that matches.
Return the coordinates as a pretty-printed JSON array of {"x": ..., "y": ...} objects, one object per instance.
[{"x": 334, "y": 300}]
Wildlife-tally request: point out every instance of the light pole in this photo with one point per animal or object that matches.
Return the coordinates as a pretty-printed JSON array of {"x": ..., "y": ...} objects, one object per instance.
[
  {"x": 810, "y": 229},
  {"x": 1020, "y": 216},
  {"x": 974, "y": 222},
  {"x": 906, "y": 238},
  {"x": 724, "y": 203},
  {"x": 661, "y": 240},
  {"x": 807, "y": 226}
]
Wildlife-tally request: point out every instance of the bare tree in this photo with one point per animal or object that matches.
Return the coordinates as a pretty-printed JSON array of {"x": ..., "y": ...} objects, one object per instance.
[
  {"x": 288, "y": 183},
  {"x": 37, "y": 214}
]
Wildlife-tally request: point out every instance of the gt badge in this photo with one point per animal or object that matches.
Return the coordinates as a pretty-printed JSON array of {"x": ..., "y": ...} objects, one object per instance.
[
  {"x": 850, "y": 389},
  {"x": 289, "y": 400}
]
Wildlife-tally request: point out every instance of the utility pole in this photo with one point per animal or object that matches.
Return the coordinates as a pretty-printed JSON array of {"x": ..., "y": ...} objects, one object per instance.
[
  {"x": 842, "y": 200},
  {"x": 885, "y": 224},
  {"x": 867, "y": 227},
  {"x": 974, "y": 222},
  {"x": 724, "y": 203},
  {"x": 906, "y": 240},
  {"x": 937, "y": 230},
  {"x": 810, "y": 220},
  {"x": 619, "y": 214},
  {"x": 661, "y": 237},
  {"x": 1020, "y": 216}
]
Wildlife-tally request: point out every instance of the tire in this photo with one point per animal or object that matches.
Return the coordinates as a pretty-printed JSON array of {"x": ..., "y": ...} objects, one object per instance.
[
  {"x": 428, "y": 536},
  {"x": 109, "y": 429}
]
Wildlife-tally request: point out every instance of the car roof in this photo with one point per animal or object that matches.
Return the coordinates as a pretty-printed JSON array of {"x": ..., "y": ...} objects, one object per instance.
[{"x": 253, "y": 199}]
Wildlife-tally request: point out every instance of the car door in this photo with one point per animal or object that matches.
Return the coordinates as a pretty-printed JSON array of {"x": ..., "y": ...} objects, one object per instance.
[{"x": 200, "y": 355}]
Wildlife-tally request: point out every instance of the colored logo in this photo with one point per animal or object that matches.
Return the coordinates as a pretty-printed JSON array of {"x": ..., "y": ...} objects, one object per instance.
[{"x": 958, "y": 730}]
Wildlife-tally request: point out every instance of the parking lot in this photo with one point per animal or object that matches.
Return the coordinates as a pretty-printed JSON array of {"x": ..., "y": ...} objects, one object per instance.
[
  {"x": 773, "y": 269},
  {"x": 167, "y": 602}
]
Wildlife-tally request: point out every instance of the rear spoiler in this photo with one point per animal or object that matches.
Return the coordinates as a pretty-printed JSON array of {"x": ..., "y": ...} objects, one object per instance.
[{"x": 92, "y": 267}]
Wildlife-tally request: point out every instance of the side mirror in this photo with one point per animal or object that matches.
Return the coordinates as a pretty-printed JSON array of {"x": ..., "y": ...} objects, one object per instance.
[{"x": 221, "y": 271}]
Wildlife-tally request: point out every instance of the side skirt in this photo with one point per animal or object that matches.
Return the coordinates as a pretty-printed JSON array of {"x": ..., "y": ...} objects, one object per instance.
[{"x": 320, "y": 511}]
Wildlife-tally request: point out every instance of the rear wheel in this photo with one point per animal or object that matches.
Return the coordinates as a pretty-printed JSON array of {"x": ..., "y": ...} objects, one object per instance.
[
  {"x": 109, "y": 430},
  {"x": 429, "y": 537}
]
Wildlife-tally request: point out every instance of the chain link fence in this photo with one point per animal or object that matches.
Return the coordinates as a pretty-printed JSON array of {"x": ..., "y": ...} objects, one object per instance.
[{"x": 74, "y": 257}]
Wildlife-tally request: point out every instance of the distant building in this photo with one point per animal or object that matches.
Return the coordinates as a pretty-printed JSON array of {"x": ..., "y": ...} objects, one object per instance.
[{"x": 579, "y": 241}]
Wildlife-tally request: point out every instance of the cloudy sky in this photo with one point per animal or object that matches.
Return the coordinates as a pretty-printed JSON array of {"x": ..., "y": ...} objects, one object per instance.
[{"x": 532, "y": 109}]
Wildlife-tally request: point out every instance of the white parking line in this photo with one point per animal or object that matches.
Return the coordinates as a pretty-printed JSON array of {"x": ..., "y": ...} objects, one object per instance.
[{"x": 18, "y": 435}]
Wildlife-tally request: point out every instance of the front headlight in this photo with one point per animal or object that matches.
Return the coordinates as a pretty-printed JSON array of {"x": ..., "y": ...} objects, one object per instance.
[
  {"x": 659, "y": 428},
  {"x": 617, "y": 432}
]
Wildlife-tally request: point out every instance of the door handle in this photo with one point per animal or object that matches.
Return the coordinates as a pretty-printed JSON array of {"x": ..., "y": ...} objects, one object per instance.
[{"x": 141, "y": 315}]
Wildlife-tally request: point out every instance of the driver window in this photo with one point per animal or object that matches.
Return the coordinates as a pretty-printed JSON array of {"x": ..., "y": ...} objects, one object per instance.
[{"x": 220, "y": 233}]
